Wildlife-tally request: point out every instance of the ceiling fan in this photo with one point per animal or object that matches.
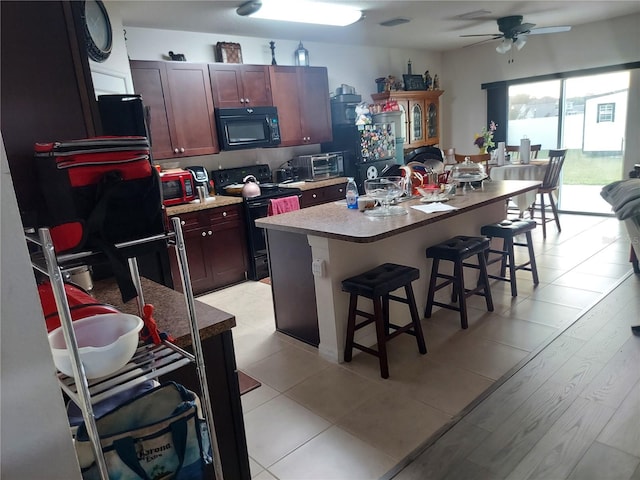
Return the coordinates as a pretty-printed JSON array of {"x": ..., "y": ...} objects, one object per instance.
[{"x": 515, "y": 32}]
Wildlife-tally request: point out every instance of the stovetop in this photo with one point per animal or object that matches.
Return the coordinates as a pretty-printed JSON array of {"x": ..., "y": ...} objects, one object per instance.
[{"x": 262, "y": 172}]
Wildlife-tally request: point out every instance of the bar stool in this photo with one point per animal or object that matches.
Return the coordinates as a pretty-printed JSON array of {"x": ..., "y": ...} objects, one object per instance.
[
  {"x": 508, "y": 230},
  {"x": 457, "y": 250},
  {"x": 377, "y": 285}
]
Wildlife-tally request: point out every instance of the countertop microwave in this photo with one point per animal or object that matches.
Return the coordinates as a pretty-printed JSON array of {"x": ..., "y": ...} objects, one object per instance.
[
  {"x": 250, "y": 127},
  {"x": 177, "y": 187}
]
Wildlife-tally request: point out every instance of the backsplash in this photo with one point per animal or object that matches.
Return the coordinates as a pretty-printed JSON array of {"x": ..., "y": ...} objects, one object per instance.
[{"x": 274, "y": 157}]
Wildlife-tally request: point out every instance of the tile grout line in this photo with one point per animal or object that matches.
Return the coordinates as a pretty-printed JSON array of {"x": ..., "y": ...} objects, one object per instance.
[{"x": 498, "y": 383}]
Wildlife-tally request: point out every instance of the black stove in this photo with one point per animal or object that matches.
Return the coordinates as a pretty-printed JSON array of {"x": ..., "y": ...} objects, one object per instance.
[
  {"x": 254, "y": 208},
  {"x": 262, "y": 173}
]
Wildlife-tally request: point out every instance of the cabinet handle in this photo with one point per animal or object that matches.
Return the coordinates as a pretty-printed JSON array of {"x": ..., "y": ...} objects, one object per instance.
[
  {"x": 246, "y": 100},
  {"x": 210, "y": 232},
  {"x": 182, "y": 222},
  {"x": 242, "y": 100},
  {"x": 204, "y": 234},
  {"x": 175, "y": 150},
  {"x": 181, "y": 149},
  {"x": 314, "y": 196},
  {"x": 340, "y": 190},
  {"x": 224, "y": 214}
]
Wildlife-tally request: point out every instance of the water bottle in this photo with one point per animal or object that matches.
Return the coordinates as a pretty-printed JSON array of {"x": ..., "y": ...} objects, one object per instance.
[{"x": 352, "y": 193}]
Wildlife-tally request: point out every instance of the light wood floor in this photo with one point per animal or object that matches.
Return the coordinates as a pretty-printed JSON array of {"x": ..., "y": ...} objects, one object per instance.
[{"x": 572, "y": 412}]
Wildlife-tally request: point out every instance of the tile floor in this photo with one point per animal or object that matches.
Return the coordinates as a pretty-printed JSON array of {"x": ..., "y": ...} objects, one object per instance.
[{"x": 312, "y": 419}]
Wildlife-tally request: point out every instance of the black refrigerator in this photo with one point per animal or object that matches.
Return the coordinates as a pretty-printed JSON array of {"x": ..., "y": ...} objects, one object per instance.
[
  {"x": 124, "y": 115},
  {"x": 368, "y": 149}
]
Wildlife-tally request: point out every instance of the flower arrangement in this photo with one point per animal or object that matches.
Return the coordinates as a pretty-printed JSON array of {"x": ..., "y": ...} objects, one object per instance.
[{"x": 484, "y": 140}]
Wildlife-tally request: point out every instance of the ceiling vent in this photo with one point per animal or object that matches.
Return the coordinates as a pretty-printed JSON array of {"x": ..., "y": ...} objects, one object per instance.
[{"x": 394, "y": 21}]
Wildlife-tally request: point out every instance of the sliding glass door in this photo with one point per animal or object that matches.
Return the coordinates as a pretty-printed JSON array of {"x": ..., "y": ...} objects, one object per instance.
[{"x": 586, "y": 115}]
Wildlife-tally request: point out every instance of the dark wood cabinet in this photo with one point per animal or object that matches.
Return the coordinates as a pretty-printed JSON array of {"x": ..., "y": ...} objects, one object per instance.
[
  {"x": 320, "y": 195},
  {"x": 420, "y": 121},
  {"x": 216, "y": 248},
  {"x": 180, "y": 103},
  {"x": 301, "y": 95},
  {"x": 236, "y": 86}
]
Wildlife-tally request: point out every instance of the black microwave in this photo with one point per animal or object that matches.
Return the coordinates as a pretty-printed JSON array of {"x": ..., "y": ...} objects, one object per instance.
[{"x": 251, "y": 127}]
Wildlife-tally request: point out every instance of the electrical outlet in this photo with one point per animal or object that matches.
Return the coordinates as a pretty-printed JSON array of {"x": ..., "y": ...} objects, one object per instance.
[{"x": 318, "y": 268}]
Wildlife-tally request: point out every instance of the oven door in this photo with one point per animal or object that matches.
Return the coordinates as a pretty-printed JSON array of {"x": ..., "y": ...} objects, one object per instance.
[{"x": 256, "y": 238}]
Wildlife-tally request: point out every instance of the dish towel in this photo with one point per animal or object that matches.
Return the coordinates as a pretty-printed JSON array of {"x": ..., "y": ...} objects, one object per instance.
[{"x": 283, "y": 205}]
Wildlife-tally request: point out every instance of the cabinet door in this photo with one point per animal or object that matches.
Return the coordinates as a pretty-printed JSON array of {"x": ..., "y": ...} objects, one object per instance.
[
  {"x": 226, "y": 86},
  {"x": 191, "y": 107},
  {"x": 315, "y": 115},
  {"x": 197, "y": 243},
  {"x": 256, "y": 85},
  {"x": 433, "y": 133},
  {"x": 284, "y": 90},
  {"x": 416, "y": 122},
  {"x": 227, "y": 246},
  {"x": 149, "y": 80}
]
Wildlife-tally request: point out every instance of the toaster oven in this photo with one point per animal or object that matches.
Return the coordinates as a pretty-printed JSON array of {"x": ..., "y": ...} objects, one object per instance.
[
  {"x": 177, "y": 187},
  {"x": 319, "y": 166}
]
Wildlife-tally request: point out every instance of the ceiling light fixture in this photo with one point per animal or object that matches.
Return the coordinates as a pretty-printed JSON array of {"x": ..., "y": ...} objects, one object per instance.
[
  {"x": 504, "y": 46},
  {"x": 301, "y": 11},
  {"x": 248, "y": 8},
  {"x": 520, "y": 42},
  {"x": 394, "y": 21}
]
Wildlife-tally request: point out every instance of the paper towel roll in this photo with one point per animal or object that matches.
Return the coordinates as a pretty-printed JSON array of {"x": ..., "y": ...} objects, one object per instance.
[
  {"x": 501, "y": 152},
  {"x": 525, "y": 150}
]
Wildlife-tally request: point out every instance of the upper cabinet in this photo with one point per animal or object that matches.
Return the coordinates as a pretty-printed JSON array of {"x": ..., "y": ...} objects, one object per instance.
[
  {"x": 235, "y": 85},
  {"x": 180, "y": 103},
  {"x": 301, "y": 95},
  {"x": 420, "y": 121}
]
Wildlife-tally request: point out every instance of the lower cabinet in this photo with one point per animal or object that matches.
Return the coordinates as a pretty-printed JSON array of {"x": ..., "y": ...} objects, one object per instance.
[
  {"x": 216, "y": 248},
  {"x": 320, "y": 195}
]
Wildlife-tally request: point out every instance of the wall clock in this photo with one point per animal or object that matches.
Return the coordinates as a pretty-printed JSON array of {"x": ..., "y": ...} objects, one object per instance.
[{"x": 97, "y": 30}]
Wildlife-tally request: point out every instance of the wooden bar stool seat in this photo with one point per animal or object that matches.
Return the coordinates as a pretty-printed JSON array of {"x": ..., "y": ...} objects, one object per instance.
[
  {"x": 377, "y": 285},
  {"x": 508, "y": 230},
  {"x": 457, "y": 250}
]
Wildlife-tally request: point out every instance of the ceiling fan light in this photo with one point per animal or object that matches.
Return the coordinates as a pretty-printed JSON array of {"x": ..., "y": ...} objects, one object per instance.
[
  {"x": 520, "y": 42},
  {"x": 308, "y": 12},
  {"x": 248, "y": 8},
  {"x": 504, "y": 46}
]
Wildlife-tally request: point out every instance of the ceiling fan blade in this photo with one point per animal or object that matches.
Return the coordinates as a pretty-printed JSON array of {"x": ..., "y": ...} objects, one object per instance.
[
  {"x": 542, "y": 30},
  {"x": 522, "y": 28},
  {"x": 486, "y": 40},
  {"x": 494, "y": 35}
]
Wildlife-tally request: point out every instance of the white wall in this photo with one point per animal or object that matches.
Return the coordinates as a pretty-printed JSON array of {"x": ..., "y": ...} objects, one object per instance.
[
  {"x": 36, "y": 442},
  {"x": 587, "y": 46}
]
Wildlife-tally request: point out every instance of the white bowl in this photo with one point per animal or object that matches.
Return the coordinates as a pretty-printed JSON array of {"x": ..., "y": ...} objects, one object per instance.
[{"x": 106, "y": 342}]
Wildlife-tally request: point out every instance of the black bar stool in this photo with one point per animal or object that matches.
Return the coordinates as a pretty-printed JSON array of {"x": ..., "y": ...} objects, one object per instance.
[
  {"x": 377, "y": 285},
  {"x": 508, "y": 230},
  {"x": 456, "y": 250}
]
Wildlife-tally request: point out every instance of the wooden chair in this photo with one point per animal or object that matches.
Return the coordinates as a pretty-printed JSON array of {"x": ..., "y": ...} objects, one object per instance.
[
  {"x": 514, "y": 151},
  {"x": 548, "y": 187},
  {"x": 479, "y": 158}
]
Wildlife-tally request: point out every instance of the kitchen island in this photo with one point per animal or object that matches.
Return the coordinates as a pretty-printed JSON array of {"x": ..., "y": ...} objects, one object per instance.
[{"x": 312, "y": 250}]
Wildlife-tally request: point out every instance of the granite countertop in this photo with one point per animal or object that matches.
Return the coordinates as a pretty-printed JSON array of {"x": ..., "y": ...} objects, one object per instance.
[
  {"x": 212, "y": 202},
  {"x": 226, "y": 200},
  {"x": 170, "y": 312},
  {"x": 331, "y": 220},
  {"x": 306, "y": 185}
]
